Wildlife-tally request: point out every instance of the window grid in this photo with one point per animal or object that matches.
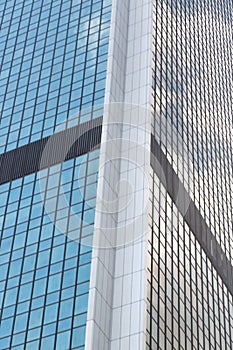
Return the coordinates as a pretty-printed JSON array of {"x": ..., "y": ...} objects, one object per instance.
[
  {"x": 189, "y": 307},
  {"x": 60, "y": 68},
  {"x": 44, "y": 274}
]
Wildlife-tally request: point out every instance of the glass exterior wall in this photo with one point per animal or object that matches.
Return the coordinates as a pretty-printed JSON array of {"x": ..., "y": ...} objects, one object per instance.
[
  {"x": 189, "y": 307},
  {"x": 44, "y": 273},
  {"x": 53, "y": 65}
]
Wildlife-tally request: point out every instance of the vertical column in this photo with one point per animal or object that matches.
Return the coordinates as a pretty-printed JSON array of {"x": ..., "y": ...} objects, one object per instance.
[{"x": 117, "y": 299}]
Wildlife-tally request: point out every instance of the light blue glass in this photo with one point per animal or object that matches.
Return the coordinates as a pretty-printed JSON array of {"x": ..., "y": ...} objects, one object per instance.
[
  {"x": 43, "y": 247},
  {"x": 44, "y": 80},
  {"x": 59, "y": 32}
]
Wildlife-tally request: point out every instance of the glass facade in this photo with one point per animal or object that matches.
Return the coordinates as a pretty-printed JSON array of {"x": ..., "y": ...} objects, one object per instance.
[
  {"x": 193, "y": 94},
  {"x": 53, "y": 65},
  {"x": 45, "y": 274},
  {"x": 189, "y": 306}
]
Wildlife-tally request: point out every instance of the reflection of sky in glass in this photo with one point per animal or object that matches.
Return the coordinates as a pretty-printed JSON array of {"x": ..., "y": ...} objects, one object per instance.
[
  {"x": 194, "y": 118},
  {"x": 43, "y": 272},
  {"x": 53, "y": 64},
  {"x": 189, "y": 306}
]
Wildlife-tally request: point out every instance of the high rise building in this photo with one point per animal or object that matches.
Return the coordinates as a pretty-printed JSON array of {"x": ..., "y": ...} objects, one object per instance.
[{"x": 116, "y": 175}]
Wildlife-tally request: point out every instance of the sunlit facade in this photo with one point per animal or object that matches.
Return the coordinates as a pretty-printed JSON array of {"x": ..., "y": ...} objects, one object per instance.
[
  {"x": 116, "y": 175},
  {"x": 190, "y": 304}
]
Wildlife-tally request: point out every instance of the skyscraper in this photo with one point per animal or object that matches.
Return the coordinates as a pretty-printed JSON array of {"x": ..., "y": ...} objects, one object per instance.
[{"x": 116, "y": 175}]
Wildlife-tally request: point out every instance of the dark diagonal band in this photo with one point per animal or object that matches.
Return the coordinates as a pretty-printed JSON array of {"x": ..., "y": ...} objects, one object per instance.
[
  {"x": 191, "y": 214},
  {"x": 27, "y": 159}
]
